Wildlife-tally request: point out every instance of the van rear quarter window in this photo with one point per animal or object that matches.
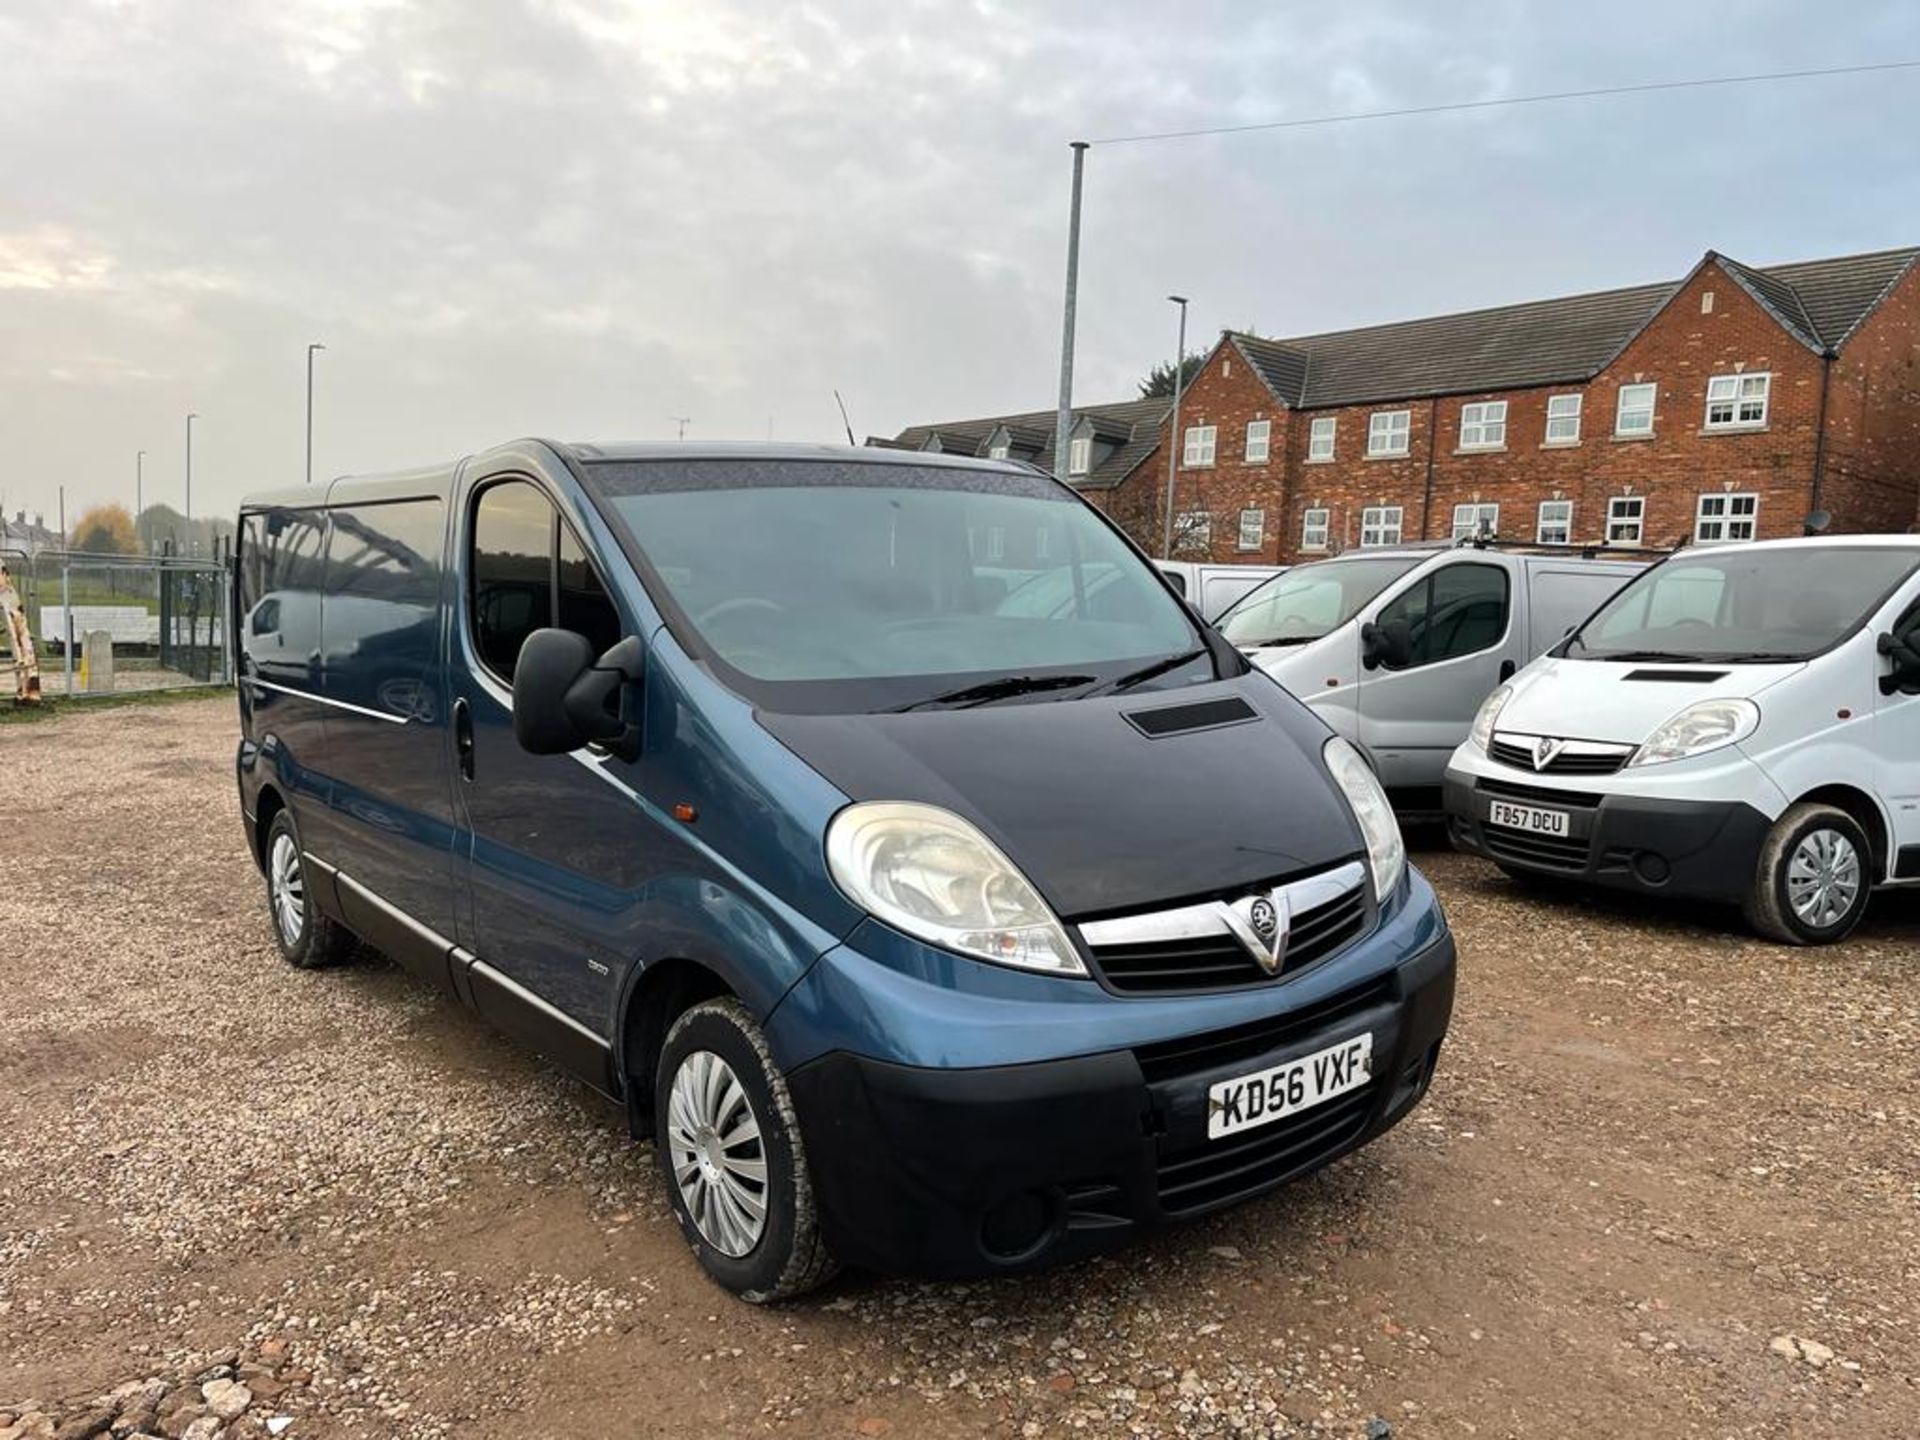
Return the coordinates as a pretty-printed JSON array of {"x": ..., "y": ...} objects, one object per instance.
[
  {"x": 280, "y": 575},
  {"x": 380, "y": 621}
]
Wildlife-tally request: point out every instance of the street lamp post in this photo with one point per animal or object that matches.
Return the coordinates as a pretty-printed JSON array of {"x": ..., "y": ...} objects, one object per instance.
[
  {"x": 139, "y": 479},
  {"x": 1063, "y": 421},
  {"x": 1173, "y": 425},
  {"x": 310, "y": 351},
  {"x": 190, "y": 419}
]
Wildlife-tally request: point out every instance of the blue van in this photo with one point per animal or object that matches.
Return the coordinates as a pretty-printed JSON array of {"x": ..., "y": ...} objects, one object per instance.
[{"x": 922, "y": 929}]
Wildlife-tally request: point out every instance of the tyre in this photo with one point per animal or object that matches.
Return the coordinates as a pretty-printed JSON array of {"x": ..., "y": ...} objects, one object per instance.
[
  {"x": 1813, "y": 878},
  {"x": 309, "y": 940},
  {"x": 730, "y": 1149}
]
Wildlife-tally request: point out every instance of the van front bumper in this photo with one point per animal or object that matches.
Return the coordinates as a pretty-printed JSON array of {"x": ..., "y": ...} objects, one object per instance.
[
  {"x": 1690, "y": 849},
  {"x": 954, "y": 1173}
]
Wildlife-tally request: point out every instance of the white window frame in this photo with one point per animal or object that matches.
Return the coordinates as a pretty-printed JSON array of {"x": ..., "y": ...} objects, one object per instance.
[
  {"x": 1721, "y": 517},
  {"x": 1738, "y": 394},
  {"x": 1567, "y": 418},
  {"x": 1622, "y": 409},
  {"x": 1543, "y": 527},
  {"x": 1080, "y": 455},
  {"x": 1193, "y": 527},
  {"x": 1468, "y": 515},
  {"x": 1483, "y": 425},
  {"x": 1253, "y": 530},
  {"x": 1384, "y": 428},
  {"x": 1259, "y": 434},
  {"x": 1197, "y": 446},
  {"x": 1626, "y": 519},
  {"x": 1043, "y": 543},
  {"x": 996, "y": 542},
  {"x": 1320, "y": 439},
  {"x": 1316, "y": 527},
  {"x": 997, "y": 450},
  {"x": 1382, "y": 525}
]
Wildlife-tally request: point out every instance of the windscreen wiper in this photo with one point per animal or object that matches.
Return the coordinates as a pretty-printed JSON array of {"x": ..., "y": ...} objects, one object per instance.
[
  {"x": 1147, "y": 672},
  {"x": 1282, "y": 641},
  {"x": 1677, "y": 656},
  {"x": 1758, "y": 657},
  {"x": 985, "y": 693}
]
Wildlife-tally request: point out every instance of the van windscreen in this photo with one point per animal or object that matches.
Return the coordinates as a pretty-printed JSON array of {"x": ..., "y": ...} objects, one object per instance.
[
  {"x": 1743, "y": 606},
  {"x": 825, "y": 585},
  {"x": 1310, "y": 601}
]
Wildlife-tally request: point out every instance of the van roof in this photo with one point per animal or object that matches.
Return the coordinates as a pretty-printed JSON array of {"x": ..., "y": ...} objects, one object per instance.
[{"x": 438, "y": 478}]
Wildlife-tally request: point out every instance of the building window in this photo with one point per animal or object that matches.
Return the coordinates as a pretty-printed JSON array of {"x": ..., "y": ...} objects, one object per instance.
[
  {"x": 1635, "y": 415},
  {"x": 1080, "y": 455},
  {"x": 1259, "y": 433},
  {"x": 1043, "y": 544},
  {"x": 1253, "y": 529},
  {"x": 1555, "y": 526},
  {"x": 1470, "y": 521},
  {"x": 1193, "y": 530},
  {"x": 1380, "y": 525},
  {"x": 996, "y": 542},
  {"x": 1737, "y": 402},
  {"x": 1313, "y": 528},
  {"x": 998, "y": 450},
  {"x": 1626, "y": 515},
  {"x": 1320, "y": 438},
  {"x": 1484, "y": 426},
  {"x": 1725, "y": 517},
  {"x": 1387, "y": 432},
  {"x": 1198, "y": 449},
  {"x": 1563, "y": 419}
]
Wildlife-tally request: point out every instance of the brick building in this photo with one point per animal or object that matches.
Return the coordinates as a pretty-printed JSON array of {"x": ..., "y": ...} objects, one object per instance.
[{"x": 1727, "y": 405}]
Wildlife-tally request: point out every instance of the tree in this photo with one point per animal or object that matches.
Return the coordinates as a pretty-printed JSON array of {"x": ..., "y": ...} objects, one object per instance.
[
  {"x": 106, "y": 530},
  {"x": 1159, "y": 380}
]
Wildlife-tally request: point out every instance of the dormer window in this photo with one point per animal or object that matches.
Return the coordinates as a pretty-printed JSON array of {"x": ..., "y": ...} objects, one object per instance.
[
  {"x": 997, "y": 450},
  {"x": 999, "y": 444},
  {"x": 1080, "y": 455}
]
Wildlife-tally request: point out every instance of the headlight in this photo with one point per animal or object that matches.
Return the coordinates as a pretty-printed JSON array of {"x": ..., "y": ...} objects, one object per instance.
[
  {"x": 1386, "y": 853},
  {"x": 1482, "y": 732},
  {"x": 928, "y": 872},
  {"x": 1698, "y": 729}
]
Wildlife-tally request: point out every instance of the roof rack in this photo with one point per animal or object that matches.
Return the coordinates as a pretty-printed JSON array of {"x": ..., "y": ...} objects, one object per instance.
[{"x": 1585, "y": 549}]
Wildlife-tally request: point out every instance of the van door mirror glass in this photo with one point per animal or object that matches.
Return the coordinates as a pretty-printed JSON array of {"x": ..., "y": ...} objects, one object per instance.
[
  {"x": 1389, "y": 643},
  {"x": 1902, "y": 649},
  {"x": 564, "y": 698}
]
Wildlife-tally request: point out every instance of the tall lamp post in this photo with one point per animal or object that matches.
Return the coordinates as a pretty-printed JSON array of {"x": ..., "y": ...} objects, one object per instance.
[
  {"x": 1063, "y": 420},
  {"x": 310, "y": 352},
  {"x": 191, "y": 417},
  {"x": 1173, "y": 425},
  {"x": 139, "y": 479}
]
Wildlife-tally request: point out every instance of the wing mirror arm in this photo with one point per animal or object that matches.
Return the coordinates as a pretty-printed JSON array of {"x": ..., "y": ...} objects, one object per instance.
[
  {"x": 564, "y": 698},
  {"x": 603, "y": 704}
]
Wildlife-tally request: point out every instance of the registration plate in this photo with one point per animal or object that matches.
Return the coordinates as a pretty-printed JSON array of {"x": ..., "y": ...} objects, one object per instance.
[
  {"x": 1530, "y": 818},
  {"x": 1269, "y": 1095}
]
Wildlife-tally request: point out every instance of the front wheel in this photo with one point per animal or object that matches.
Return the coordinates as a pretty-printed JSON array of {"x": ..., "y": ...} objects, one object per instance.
[
  {"x": 729, "y": 1147},
  {"x": 1813, "y": 878}
]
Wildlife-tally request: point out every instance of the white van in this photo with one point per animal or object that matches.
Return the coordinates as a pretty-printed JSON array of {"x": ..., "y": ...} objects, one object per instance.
[
  {"x": 1214, "y": 589},
  {"x": 1395, "y": 649},
  {"x": 1739, "y": 724}
]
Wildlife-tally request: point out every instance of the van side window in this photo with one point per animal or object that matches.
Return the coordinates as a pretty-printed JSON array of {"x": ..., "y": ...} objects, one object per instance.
[
  {"x": 1457, "y": 610},
  {"x": 529, "y": 571}
]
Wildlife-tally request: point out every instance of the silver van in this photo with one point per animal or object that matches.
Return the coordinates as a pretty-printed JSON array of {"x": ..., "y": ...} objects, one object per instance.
[
  {"x": 1215, "y": 589},
  {"x": 1396, "y": 648}
]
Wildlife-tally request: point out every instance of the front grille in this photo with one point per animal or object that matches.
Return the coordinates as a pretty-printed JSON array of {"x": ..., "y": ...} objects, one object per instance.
[
  {"x": 1520, "y": 757},
  {"x": 1233, "y": 1168},
  {"x": 1177, "y": 1059},
  {"x": 1217, "y": 962},
  {"x": 1507, "y": 790},
  {"x": 1551, "y": 851}
]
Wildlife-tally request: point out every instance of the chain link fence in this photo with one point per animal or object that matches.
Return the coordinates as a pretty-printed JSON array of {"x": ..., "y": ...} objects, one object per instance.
[{"x": 111, "y": 624}]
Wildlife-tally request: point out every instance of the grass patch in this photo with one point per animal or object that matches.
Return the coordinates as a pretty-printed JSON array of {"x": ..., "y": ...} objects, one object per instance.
[{"x": 55, "y": 707}]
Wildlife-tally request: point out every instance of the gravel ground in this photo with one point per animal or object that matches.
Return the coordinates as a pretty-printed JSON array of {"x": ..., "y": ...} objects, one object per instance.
[{"x": 1666, "y": 1184}]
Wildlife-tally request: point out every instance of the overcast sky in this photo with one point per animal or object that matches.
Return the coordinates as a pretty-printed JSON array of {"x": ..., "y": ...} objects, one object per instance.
[{"x": 582, "y": 218}]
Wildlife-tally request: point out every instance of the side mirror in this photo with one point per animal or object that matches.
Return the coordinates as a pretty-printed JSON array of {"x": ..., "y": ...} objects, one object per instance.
[
  {"x": 563, "y": 698},
  {"x": 1389, "y": 643},
  {"x": 1904, "y": 654}
]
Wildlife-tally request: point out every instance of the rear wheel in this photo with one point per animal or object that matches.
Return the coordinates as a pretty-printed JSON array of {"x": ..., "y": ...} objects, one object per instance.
[
  {"x": 309, "y": 940},
  {"x": 729, "y": 1147},
  {"x": 1813, "y": 879}
]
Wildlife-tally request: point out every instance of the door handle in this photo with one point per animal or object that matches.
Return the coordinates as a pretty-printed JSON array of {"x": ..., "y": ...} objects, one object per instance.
[
  {"x": 463, "y": 737},
  {"x": 1506, "y": 671}
]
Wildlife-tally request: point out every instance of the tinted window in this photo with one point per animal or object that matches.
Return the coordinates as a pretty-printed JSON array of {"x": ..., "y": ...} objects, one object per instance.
[
  {"x": 512, "y": 571},
  {"x": 585, "y": 607},
  {"x": 1457, "y": 610},
  {"x": 1745, "y": 605},
  {"x": 381, "y": 621},
  {"x": 280, "y": 577}
]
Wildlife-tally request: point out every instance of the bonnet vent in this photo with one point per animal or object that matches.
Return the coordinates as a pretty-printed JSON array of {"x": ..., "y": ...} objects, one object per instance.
[
  {"x": 1677, "y": 677},
  {"x": 1203, "y": 715}
]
